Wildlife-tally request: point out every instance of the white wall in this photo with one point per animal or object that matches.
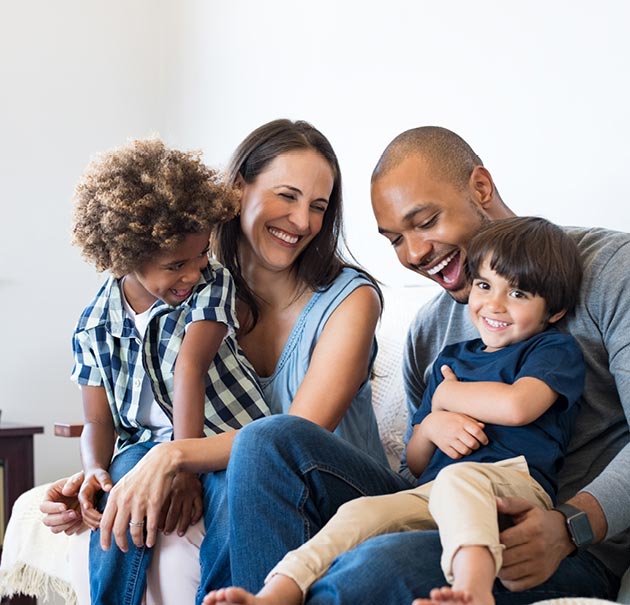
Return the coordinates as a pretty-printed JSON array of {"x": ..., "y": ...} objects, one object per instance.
[
  {"x": 76, "y": 77},
  {"x": 539, "y": 89}
]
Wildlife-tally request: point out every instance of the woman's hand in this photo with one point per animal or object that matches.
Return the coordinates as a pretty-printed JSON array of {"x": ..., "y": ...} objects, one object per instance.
[
  {"x": 138, "y": 497},
  {"x": 61, "y": 509},
  {"x": 457, "y": 435}
]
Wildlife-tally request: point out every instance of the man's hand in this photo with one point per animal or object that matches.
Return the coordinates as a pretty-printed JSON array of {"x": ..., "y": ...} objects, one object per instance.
[
  {"x": 184, "y": 505},
  {"x": 534, "y": 547},
  {"x": 62, "y": 512},
  {"x": 457, "y": 435}
]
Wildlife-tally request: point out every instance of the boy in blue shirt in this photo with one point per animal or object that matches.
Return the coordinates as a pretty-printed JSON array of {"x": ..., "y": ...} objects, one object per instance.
[
  {"x": 155, "y": 351},
  {"x": 504, "y": 403}
]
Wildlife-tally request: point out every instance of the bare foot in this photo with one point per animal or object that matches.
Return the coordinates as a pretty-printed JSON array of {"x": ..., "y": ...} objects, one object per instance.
[
  {"x": 231, "y": 596},
  {"x": 279, "y": 589},
  {"x": 449, "y": 596}
]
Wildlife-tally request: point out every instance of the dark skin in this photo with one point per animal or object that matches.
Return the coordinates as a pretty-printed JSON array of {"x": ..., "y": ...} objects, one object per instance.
[{"x": 427, "y": 221}]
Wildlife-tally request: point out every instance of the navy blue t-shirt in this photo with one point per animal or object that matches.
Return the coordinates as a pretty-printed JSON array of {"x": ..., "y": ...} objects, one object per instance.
[{"x": 551, "y": 356}]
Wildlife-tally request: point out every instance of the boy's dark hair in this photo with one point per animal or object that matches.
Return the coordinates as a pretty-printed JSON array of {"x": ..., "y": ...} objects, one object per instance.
[
  {"x": 534, "y": 255},
  {"x": 136, "y": 201}
]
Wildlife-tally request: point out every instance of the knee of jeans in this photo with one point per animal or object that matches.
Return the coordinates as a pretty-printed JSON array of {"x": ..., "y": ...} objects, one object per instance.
[{"x": 272, "y": 432}]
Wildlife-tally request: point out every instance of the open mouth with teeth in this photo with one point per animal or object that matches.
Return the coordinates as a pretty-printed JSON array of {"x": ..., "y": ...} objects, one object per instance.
[
  {"x": 449, "y": 272},
  {"x": 287, "y": 238},
  {"x": 181, "y": 294},
  {"x": 495, "y": 324}
]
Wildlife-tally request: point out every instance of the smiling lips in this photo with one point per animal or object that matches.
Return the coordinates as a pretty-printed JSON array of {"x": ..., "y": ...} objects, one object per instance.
[
  {"x": 451, "y": 275},
  {"x": 181, "y": 293},
  {"x": 284, "y": 236},
  {"x": 495, "y": 324}
]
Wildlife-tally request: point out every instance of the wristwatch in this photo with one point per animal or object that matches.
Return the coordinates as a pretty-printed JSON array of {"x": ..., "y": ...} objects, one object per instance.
[{"x": 578, "y": 525}]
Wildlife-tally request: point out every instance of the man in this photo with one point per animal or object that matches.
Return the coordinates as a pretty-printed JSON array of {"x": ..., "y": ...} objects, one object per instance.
[{"x": 430, "y": 194}]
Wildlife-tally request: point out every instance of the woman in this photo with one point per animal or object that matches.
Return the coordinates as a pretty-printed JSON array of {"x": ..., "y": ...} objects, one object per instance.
[{"x": 307, "y": 326}]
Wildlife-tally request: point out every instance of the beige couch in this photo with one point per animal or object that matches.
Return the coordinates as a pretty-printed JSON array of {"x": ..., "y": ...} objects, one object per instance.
[{"x": 36, "y": 562}]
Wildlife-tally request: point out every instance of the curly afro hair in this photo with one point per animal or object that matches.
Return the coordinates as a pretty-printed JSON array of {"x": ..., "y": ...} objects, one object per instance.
[{"x": 142, "y": 199}]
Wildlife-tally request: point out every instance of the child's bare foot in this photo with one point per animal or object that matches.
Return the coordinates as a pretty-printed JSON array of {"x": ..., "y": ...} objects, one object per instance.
[
  {"x": 449, "y": 596},
  {"x": 231, "y": 596}
]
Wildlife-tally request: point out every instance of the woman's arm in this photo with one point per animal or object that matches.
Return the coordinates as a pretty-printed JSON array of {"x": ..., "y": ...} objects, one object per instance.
[
  {"x": 494, "y": 402},
  {"x": 339, "y": 364}
]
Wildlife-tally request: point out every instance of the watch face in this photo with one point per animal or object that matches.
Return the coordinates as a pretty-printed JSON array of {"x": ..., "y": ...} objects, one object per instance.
[
  {"x": 580, "y": 528},
  {"x": 578, "y": 524}
]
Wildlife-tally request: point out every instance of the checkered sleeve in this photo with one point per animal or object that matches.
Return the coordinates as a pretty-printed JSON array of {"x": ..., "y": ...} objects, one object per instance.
[
  {"x": 215, "y": 298},
  {"x": 85, "y": 370}
]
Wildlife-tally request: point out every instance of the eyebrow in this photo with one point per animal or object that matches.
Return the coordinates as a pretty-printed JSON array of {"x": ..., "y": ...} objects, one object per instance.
[{"x": 409, "y": 216}]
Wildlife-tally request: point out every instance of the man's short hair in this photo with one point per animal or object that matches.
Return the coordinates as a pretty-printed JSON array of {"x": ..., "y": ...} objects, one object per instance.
[{"x": 450, "y": 158}]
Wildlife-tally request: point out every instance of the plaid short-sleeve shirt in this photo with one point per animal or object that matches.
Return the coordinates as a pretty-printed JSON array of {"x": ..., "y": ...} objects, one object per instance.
[{"x": 109, "y": 352}]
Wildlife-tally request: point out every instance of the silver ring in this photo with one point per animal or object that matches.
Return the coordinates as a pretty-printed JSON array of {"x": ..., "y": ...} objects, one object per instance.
[{"x": 136, "y": 523}]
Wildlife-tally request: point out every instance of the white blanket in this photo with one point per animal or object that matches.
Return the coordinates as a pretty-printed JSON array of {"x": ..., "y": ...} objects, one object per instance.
[{"x": 34, "y": 560}]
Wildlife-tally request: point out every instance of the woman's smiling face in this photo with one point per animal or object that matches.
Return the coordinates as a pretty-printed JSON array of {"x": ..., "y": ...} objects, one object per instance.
[{"x": 282, "y": 210}]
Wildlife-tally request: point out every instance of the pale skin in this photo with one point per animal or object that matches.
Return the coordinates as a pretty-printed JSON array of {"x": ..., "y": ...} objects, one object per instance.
[
  {"x": 520, "y": 315},
  {"x": 289, "y": 198}
]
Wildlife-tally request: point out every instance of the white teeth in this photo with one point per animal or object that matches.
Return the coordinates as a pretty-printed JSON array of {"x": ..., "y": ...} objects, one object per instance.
[
  {"x": 496, "y": 324},
  {"x": 284, "y": 236},
  {"x": 441, "y": 265}
]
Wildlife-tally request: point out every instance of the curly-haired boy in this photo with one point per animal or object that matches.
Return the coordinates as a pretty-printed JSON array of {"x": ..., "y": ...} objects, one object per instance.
[{"x": 155, "y": 351}]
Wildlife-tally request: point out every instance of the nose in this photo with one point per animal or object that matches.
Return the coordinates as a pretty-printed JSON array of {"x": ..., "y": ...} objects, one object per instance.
[
  {"x": 193, "y": 271},
  {"x": 496, "y": 302},
  {"x": 299, "y": 216},
  {"x": 416, "y": 249}
]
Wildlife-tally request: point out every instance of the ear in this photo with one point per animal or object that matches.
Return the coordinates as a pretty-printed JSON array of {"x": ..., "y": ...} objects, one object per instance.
[
  {"x": 482, "y": 186},
  {"x": 557, "y": 316}
]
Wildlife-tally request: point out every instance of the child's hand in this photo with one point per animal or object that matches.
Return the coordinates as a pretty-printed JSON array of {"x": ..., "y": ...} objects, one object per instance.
[
  {"x": 440, "y": 394},
  {"x": 184, "y": 505},
  {"x": 93, "y": 483},
  {"x": 447, "y": 373},
  {"x": 457, "y": 435}
]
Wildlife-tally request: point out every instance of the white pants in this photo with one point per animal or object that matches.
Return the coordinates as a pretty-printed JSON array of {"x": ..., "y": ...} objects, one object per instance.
[{"x": 173, "y": 576}]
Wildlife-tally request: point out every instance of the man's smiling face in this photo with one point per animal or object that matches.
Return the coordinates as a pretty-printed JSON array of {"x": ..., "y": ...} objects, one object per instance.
[{"x": 429, "y": 222}]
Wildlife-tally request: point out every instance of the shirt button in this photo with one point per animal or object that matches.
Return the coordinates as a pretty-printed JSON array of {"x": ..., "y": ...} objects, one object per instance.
[
  {"x": 137, "y": 383},
  {"x": 138, "y": 341}
]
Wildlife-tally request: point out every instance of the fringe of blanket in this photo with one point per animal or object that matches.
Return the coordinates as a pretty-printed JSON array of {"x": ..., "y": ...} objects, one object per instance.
[{"x": 32, "y": 582}]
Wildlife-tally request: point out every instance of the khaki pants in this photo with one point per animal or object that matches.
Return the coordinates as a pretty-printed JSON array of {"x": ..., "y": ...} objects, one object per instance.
[{"x": 460, "y": 502}]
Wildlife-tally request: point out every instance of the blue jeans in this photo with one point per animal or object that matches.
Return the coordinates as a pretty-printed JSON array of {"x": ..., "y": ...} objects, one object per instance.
[
  {"x": 118, "y": 578},
  {"x": 287, "y": 477},
  {"x": 396, "y": 568}
]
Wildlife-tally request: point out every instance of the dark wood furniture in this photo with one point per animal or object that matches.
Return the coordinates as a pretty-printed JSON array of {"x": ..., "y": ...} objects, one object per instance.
[{"x": 16, "y": 458}]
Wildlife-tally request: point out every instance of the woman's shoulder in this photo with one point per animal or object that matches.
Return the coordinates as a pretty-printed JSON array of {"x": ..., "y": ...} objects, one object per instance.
[{"x": 349, "y": 279}]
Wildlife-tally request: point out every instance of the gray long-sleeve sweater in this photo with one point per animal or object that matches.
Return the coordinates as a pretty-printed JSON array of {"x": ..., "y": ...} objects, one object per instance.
[{"x": 598, "y": 459}]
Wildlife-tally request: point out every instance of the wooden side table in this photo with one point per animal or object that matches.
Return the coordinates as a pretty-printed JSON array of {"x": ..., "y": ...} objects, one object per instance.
[{"x": 18, "y": 474}]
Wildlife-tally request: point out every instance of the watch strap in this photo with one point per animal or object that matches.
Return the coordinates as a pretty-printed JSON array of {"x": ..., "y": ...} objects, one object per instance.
[{"x": 578, "y": 525}]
